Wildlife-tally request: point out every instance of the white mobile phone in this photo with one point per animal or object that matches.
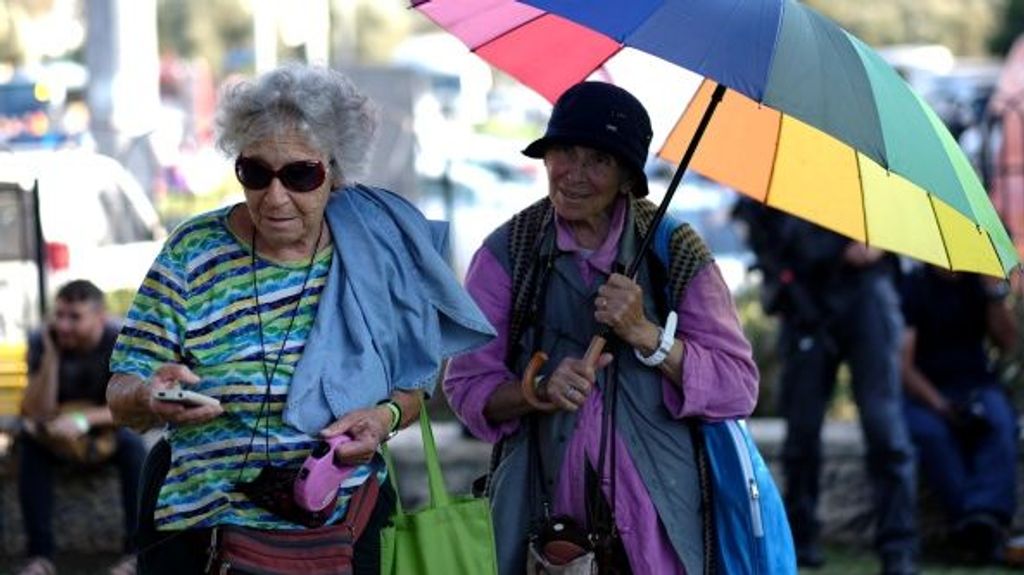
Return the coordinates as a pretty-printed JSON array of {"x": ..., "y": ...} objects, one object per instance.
[{"x": 177, "y": 395}]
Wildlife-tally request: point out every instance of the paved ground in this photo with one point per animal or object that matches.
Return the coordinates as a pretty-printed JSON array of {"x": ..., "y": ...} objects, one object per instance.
[
  {"x": 69, "y": 564},
  {"x": 841, "y": 562}
]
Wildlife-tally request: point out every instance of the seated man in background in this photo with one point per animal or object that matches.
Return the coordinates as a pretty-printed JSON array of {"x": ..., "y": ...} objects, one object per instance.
[
  {"x": 959, "y": 415},
  {"x": 66, "y": 419}
]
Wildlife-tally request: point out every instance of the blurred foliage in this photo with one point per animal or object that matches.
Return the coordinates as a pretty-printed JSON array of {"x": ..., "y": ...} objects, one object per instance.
[
  {"x": 379, "y": 27},
  {"x": 119, "y": 301},
  {"x": 175, "y": 207},
  {"x": 207, "y": 28},
  {"x": 515, "y": 130},
  {"x": 362, "y": 31},
  {"x": 965, "y": 26},
  {"x": 1010, "y": 25},
  {"x": 762, "y": 331},
  {"x": 16, "y": 20}
]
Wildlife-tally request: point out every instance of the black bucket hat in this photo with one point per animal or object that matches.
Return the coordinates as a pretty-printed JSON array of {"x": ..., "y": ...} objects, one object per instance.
[{"x": 604, "y": 117}]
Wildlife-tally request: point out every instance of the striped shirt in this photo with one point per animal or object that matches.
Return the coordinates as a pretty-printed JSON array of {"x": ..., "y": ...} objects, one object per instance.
[{"x": 197, "y": 306}]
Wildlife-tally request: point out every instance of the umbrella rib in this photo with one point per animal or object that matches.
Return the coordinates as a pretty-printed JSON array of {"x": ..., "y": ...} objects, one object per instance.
[
  {"x": 775, "y": 156},
  {"x": 938, "y": 224},
  {"x": 504, "y": 33},
  {"x": 771, "y": 58},
  {"x": 999, "y": 258},
  {"x": 416, "y": 4},
  {"x": 542, "y": 14},
  {"x": 863, "y": 196}
]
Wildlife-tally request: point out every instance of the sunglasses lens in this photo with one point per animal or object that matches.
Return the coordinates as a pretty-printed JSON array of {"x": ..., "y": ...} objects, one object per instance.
[
  {"x": 297, "y": 176},
  {"x": 302, "y": 176},
  {"x": 253, "y": 174}
]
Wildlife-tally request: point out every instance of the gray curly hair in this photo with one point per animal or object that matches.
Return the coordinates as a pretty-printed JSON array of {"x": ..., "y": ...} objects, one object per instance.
[{"x": 322, "y": 104}]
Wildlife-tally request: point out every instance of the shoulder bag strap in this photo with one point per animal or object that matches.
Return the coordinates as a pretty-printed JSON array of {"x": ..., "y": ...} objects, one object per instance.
[
  {"x": 524, "y": 240},
  {"x": 707, "y": 502},
  {"x": 361, "y": 506},
  {"x": 439, "y": 496}
]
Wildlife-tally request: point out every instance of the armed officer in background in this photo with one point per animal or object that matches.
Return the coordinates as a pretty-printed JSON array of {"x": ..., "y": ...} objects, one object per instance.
[{"x": 837, "y": 302}]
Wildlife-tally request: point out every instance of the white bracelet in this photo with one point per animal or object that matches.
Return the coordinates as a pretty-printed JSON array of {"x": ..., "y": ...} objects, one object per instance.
[{"x": 666, "y": 339}]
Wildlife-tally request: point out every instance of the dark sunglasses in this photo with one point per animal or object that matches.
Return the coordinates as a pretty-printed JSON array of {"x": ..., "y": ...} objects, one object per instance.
[{"x": 302, "y": 176}]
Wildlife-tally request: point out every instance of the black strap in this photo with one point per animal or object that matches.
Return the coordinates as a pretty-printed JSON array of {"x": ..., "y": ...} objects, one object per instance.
[
  {"x": 707, "y": 502},
  {"x": 525, "y": 240},
  {"x": 540, "y": 478},
  {"x": 601, "y": 512}
]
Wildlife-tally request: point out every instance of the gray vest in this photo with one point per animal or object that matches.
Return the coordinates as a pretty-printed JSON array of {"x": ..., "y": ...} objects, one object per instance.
[{"x": 659, "y": 446}]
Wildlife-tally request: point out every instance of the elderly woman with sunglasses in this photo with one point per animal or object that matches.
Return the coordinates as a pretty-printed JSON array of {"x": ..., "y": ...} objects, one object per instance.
[
  {"x": 315, "y": 309},
  {"x": 549, "y": 279}
]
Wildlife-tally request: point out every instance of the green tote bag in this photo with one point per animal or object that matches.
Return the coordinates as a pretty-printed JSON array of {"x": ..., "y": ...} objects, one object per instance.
[{"x": 452, "y": 535}]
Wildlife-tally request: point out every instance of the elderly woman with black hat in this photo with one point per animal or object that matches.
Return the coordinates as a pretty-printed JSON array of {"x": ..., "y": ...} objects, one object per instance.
[{"x": 598, "y": 452}]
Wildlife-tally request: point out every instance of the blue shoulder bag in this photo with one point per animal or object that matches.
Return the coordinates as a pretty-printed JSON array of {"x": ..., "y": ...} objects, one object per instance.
[
  {"x": 752, "y": 534},
  {"x": 751, "y": 528}
]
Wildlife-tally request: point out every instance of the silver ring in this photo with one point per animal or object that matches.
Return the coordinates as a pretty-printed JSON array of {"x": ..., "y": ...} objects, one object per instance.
[{"x": 571, "y": 390}]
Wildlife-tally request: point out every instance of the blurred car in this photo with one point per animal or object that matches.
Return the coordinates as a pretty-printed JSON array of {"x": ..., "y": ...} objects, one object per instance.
[
  {"x": 95, "y": 222},
  {"x": 475, "y": 195},
  {"x": 707, "y": 207},
  {"x": 960, "y": 96}
]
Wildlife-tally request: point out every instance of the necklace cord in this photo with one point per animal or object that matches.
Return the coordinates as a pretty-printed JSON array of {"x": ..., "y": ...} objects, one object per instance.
[{"x": 268, "y": 375}]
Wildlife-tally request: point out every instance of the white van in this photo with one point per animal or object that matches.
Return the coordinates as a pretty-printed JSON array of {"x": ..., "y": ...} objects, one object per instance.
[{"x": 96, "y": 223}]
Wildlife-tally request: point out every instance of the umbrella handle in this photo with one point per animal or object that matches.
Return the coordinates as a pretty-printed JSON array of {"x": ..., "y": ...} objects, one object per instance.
[
  {"x": 528, "y": 386},
  {"x": 537, "y": 361},
  {"x": 594, "y": 351}
]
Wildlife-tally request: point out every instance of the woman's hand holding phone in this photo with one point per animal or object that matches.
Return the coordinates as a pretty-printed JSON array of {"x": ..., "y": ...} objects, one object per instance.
[{"x": 183, "y": 408}]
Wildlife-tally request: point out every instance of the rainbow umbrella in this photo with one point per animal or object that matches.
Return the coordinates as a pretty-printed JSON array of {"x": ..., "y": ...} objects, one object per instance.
[{"x": 767, "y": 97}]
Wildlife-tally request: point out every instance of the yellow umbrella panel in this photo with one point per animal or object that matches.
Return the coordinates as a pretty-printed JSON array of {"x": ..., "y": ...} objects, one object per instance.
[{"x": 792, "y": 166}]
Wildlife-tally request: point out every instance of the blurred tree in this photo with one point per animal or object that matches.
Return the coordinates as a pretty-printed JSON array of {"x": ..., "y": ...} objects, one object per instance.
[
  {"x": 368, "y": 29},
  {"x": 380, "y": 27},
  {"x": 32, "y": 30},
  {"x": 962, "y": 25},
  {"x": 10, "y": 44},
  {"x": 1011, "y": 25},
  {"x": 208, "y": 28}
]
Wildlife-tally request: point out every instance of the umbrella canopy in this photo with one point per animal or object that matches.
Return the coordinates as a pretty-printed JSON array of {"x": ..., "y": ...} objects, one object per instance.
[{"x": 814, "y": 122}]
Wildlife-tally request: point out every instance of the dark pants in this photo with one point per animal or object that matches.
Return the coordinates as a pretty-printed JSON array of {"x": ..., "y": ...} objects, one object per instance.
[
  {"x": 867, "y": 335},
  {"x": 970, "y": 474},
  {"x": 186, "y": 552},
  {"x": 35, "y": 488}
]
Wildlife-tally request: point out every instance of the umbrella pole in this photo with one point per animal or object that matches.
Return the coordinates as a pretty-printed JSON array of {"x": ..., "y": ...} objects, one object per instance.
[
  {"x": 677, "y": 177},
  {"x": 598, "y": 342}
]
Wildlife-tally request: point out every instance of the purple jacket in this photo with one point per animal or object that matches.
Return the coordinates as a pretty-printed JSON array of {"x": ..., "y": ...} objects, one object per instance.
[{"x": 719, "y": 381}]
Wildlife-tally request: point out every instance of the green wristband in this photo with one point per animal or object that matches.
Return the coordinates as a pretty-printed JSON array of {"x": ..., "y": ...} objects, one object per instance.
[
  {"x": 81, "y": 421},
  {"x": 396, "y": 413}
]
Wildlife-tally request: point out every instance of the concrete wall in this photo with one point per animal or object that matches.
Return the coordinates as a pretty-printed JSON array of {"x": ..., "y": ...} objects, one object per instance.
[{"x": 88, "y": 513}]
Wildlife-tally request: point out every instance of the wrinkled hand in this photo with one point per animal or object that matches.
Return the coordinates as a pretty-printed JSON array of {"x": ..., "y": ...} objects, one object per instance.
[
  {"x": 571, "y": 383},
  {"x": 620, "y": 306},
  {"x": 64, "y": 427},
  {"x": 367, "y": 427},
  {"x": 172, "y": 375}
]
